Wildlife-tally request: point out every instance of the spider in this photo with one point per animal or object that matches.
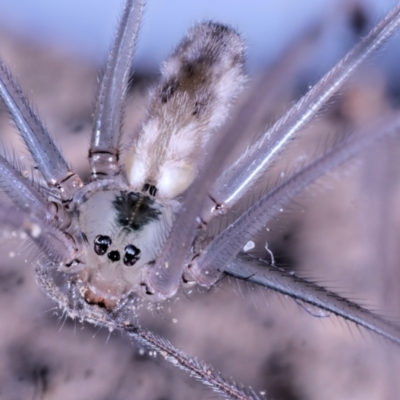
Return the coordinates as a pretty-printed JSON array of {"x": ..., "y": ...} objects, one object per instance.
[{"x": 110, "y": 310}]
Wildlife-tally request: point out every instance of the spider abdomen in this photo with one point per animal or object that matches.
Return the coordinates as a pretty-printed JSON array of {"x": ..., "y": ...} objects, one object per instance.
[{"x": 199, "y": 81}]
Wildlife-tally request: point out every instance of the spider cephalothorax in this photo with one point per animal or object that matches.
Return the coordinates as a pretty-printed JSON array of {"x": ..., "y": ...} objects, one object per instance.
[{"x": 121, "y": 245}]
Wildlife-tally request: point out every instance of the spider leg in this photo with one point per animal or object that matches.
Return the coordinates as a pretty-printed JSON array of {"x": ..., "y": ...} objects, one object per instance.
[
  {"x": 259, "y": 272},
  {"x": 198, "y": 369},
  {"x": 263, "y": 96},
  {"x": 213, "y": 260},
  {"x": 207, "y": 267},
  {"x": 32, "y": 215},
  {"x": 253, "y": 163},
  {"x": 57, "y": 248},
  {"x": 20, "y": 190},
  {"x": 104, "y": 149},
  {"x": 48, "y": 158}
]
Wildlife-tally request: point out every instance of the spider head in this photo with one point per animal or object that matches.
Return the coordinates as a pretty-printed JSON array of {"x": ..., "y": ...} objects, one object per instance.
[{"x": 124, "y": 232}]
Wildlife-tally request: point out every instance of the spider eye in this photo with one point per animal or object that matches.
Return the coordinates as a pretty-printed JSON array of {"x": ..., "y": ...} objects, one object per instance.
[
  {"x": 114, "y": 255},
  {"x": 101, "y": 244},
  {"x": 132, "y": 254},
  {"x": 149, "y": 188}
]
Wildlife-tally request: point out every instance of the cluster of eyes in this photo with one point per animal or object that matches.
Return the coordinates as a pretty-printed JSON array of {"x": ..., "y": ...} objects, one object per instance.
[
  {"x": 131, "y": 252},
  {"x": 149, "y": 188}
]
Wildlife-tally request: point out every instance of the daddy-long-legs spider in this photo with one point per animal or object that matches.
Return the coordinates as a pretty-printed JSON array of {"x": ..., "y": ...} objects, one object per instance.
[{"x": 36, "y": 362}]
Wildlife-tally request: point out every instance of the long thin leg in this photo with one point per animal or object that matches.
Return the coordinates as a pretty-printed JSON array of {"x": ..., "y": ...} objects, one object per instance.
[
  {"x": 259, "y": 272},
  {"x": 20, "y": 190},
  {"x": 56, "y": 247},
  {"x": 45, "y": 153},
  {"x": 104, "y": 149},
  {"x": 196, "y": 368},
  {"x": 254, "y": 162},
  {"x": 208, "y": 267},
  {"x": 251, "y": 116}
]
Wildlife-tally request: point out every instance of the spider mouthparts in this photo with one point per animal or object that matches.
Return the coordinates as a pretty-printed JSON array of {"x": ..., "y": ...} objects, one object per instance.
[{"x": 108, "y": 303}]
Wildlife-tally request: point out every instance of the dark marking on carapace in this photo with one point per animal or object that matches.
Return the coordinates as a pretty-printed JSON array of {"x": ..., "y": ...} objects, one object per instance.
[{"x": 135, "y": 210}]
